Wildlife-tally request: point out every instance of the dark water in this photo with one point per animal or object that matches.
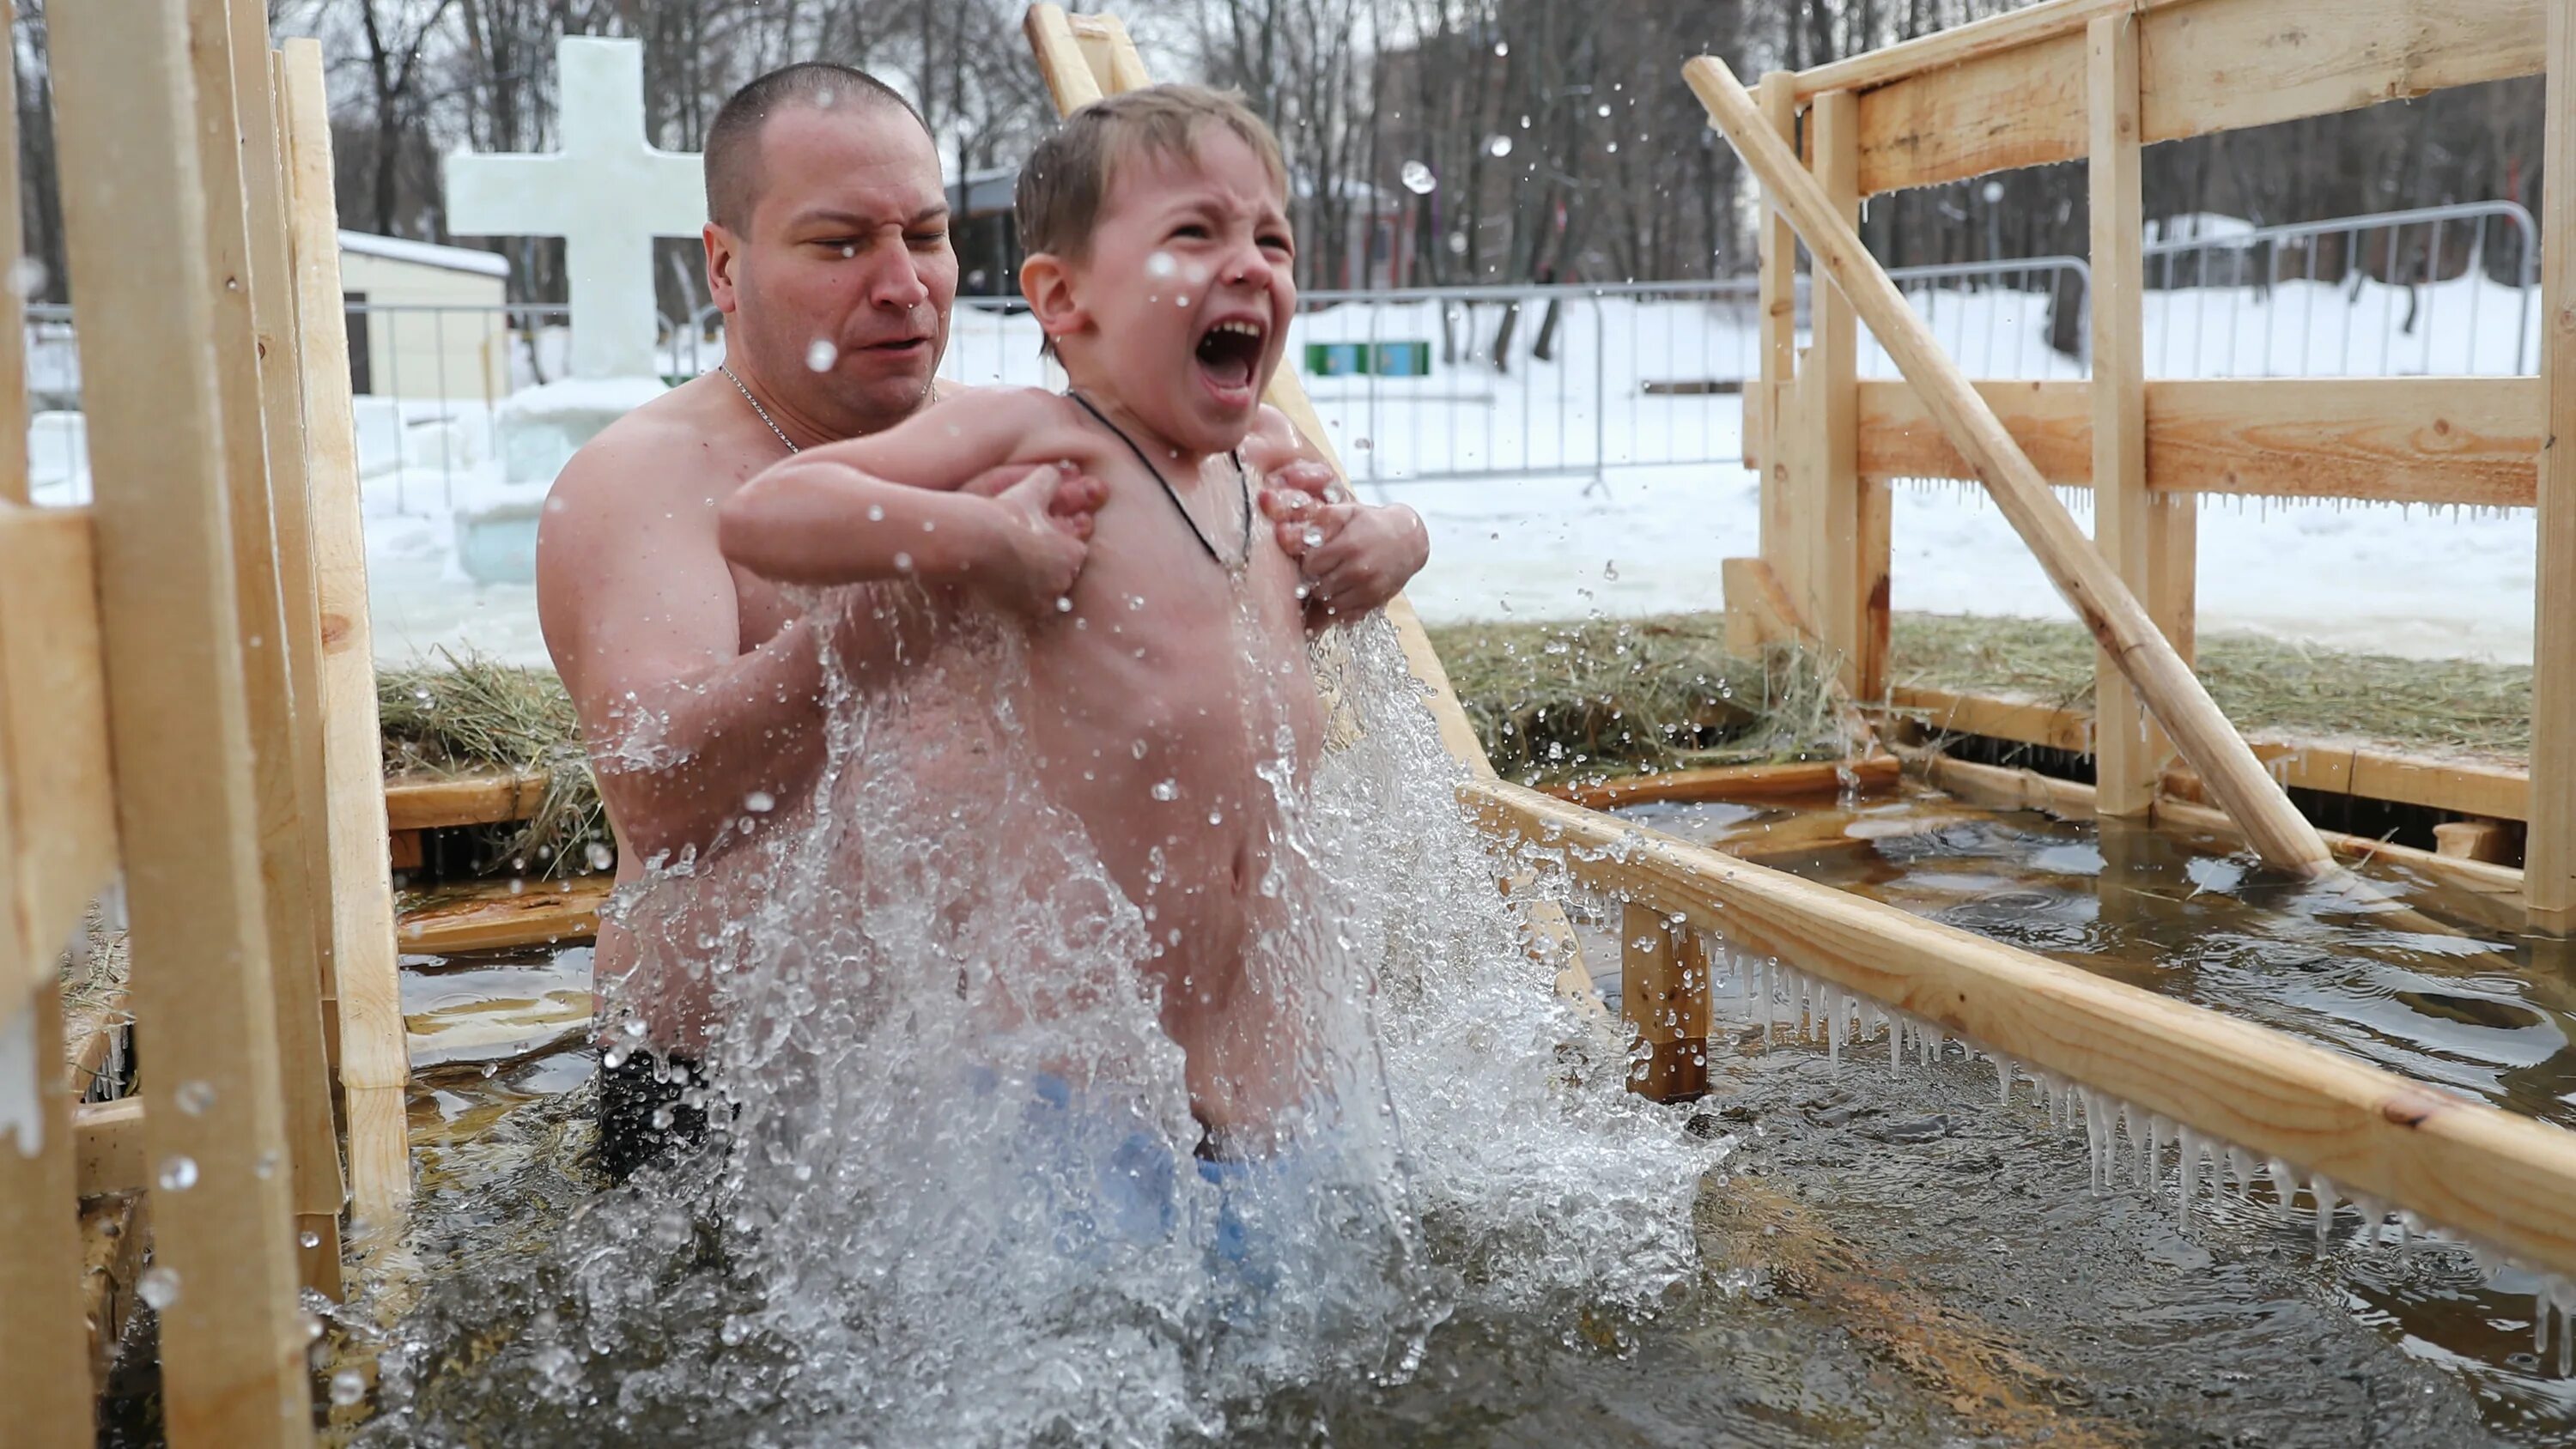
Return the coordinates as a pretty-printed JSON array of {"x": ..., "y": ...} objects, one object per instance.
[{"x": 1888, "y": 1259}]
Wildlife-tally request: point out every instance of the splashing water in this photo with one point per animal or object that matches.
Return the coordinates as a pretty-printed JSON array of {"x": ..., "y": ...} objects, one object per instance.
[{"x": 955, "y": 1194}]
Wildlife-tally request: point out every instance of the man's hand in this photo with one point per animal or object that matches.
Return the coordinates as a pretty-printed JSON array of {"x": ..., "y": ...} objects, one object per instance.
[
  {"x": 1352, "y": 557},
  {"x": 1045, "y": 533}
]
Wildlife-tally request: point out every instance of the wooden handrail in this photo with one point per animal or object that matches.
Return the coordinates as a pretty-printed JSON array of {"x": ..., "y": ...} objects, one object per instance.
[
  {"x": 1973, "y": 41},
  {"x": 2507, "y": 1181}
]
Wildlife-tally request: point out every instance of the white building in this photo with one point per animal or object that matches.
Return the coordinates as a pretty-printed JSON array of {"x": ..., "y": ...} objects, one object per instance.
[{"x": 425, "y": 321}]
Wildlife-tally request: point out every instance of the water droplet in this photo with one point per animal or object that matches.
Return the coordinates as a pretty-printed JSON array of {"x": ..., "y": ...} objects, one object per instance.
[
  {"x": 1312, "y": 537},
  {"x": 266, "y": 1167},
  {"x": 1418, "y": 178},
  {"x": 821, "y": 354},
  {"x": 1160, "y": 264},
  {"x": 158, "y": 1286},
  {"x": 876, "y": 513},
  {"x": 1498, "y": 145},
  {"x": 1610, "y": 569},
  {"x": 348, "y": 1386},
  {"x": 1064, "y": 603},
  {"x": 194, "y": 1098},
  {"x": 26, "y": 277},
  {"x": 1137, "y": 749},
  {"x": 903, "y": 563},
  {"x": 1603, "y": 111},
  {"x": 558, "y": 1364},
  {"x": 1167, "y": 790},
  {"x": 178, "y": 1173},
  {"x": 599, "y": 855},
  {"x": 1216, "y": 817},
  {"x": 848, "y": 251},
  {"x": 759, "y": 802},
  {"x": 1502, "y": 48},
  {"x": 309, "y": 1238}
]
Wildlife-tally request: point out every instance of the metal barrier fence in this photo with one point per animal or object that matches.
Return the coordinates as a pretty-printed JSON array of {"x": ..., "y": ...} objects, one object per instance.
[{"x": 1456, "y": 383}]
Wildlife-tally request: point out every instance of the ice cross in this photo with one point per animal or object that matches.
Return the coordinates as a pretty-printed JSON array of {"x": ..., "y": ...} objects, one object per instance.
[{"x": 607, "y": 193}]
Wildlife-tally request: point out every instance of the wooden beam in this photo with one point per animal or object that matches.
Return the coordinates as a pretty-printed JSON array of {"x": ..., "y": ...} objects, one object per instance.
[
  {"x": 1850, "y": 573},
  {"x": 57, "y": 807},
  {"x": 2505, "y": 1180},
  {"x": 141, "y": 243},
  {"x": 110, "y": 1137},
  {"x": 2113, "y": 615},
  {"x": 1736, "y": 782},
  {"x": 375, "y": 1069},
  {"x": 2148, "y": 538},
  {"x": 13, "y": 302},
  {"x": 2019, "y": 721},
  {"x": 2465, "y": 441},
  {"x": 2209, "y": 65},
  {"x": 1959, "y": 44},
  {"x": 1778, "y": 327},
  {"x": 2491, "y": 841},
  {"x": 282, "y": 650},
  {"x": 1663, "y": 1001},
  {"x": 44, "y": 1360},
  {"x": 2549, "y": 863},
  {"x": 490, "y": 915},
  {"x": 412, "y": 803}
]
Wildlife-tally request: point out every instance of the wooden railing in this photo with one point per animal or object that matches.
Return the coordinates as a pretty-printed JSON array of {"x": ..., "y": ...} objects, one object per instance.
[
  {"x": 2098, "y": 80},
  {"x": 166, "y": 657}
]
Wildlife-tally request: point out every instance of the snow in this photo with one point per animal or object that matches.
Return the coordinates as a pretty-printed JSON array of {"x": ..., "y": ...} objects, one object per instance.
[
  {"x": 1550, "y": 539},
  {"x": 426, "y": 254}
]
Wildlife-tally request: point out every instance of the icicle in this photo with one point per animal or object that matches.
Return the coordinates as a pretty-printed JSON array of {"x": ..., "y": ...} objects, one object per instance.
[
  {"x": 2285, "y": 1183},
  {"x": 2372, "y": 1216},
  {"x": 2003, "y": 1079},
  {"x": 1895, "y": 1045},
  {"x": 2160, "y": 1132},
  {"x": 2323, "y": 1192},
  {"x": 2190, "y": 1174},
  {"x": 1833, "y": 1030},
  {"x": 2539, "y": 1325},
  {"x": 2240, "y": 1167},
  {"x": 1770, "y": 1015}
]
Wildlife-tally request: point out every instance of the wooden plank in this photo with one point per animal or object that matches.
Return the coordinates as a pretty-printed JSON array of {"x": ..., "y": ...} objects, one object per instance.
[
  {"x": 375, "y": 1071},
  {"x": 282, "y": 651},
  {"x": 421, "y": 803},
  {"x": 490, "y": 916},
  {"x": 2137, "y": 532},
  {"x": 2491, "y": 841},
  {"x": 2109, "y": 611},
  {"x": 1849, "y": 576},
  {"x": 110, "y": 1138},
  {"x": 57, "y": 806},
  {"x": 1663, "y": 1001},
  {"x": 2549, "y": 862},
  {"x": 1736, "y": 782},
  {"x": 139, "y": 235},
  {"x": 1777, "y": 248},
  {"x": 2211, "y": 65},
  {"x": 2471, "y": 441},
  {"x": 2504, "y": 1180},
  {"x": 2019, "y": 721},
  {"x": 13, "y": 301},
  {"x": 1959, "y": 44},
  {"x": 44, "y": 1360}
]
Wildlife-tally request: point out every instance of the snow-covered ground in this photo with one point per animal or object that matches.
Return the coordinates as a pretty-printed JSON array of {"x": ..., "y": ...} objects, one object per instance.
[{"x": 1559, "y": 488}]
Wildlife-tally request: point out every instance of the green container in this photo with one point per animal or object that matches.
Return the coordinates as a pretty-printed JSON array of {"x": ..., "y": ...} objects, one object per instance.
[{"x": 1354, "y": 359}]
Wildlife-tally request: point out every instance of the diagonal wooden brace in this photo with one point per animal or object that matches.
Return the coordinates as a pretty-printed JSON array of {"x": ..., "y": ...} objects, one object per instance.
[{"x": 2171, "y": 692}]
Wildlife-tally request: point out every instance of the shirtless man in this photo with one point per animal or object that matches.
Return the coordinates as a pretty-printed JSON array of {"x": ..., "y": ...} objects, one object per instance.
[{"x": 698, "y": 686}]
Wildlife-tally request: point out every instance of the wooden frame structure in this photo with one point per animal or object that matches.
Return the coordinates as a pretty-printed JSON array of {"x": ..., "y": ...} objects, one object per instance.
[
  {"x": 176, "y": 667},
  {"x": 2098, "y": 80}
]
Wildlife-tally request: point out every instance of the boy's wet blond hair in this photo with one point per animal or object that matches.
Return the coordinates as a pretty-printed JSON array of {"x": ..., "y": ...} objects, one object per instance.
[{"x": 1066, "y": 180}]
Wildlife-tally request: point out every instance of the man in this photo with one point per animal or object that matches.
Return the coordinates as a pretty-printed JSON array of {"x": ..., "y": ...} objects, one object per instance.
[{"x": 698, "y": 684}]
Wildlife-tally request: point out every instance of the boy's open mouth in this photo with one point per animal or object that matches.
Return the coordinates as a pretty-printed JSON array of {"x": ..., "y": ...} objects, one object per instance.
[{"x": 1230, "y": 351}]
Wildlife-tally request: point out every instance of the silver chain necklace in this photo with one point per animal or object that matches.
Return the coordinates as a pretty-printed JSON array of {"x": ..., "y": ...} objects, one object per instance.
[{"x": 727, "y": 370}]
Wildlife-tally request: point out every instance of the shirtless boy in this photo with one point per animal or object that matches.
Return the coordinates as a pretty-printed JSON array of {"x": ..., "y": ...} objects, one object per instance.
[{"x": 1166, "y": 655}]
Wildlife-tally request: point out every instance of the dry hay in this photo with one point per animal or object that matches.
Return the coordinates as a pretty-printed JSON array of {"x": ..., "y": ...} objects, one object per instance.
[
  {"x": 2266, "y": 686},
  {"x": 468, "y": 715},
  {"x": 1561, "y": 702}
]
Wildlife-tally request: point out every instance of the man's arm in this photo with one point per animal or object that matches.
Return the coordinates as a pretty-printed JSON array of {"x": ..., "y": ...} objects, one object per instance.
[{"x": 687, "y": 733}]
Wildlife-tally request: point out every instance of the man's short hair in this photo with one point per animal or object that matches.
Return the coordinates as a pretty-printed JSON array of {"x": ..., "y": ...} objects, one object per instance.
[
  {"x": 1066, "y": 179},
  {"x": 732, "y": 150}
]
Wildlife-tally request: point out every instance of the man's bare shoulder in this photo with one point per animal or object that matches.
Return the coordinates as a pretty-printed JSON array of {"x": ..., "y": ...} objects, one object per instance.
[{"x": 672, "y": 449}]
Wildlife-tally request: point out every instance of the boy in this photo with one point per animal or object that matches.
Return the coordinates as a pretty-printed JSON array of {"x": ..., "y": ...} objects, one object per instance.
[{"x": 1168, "y": 686}]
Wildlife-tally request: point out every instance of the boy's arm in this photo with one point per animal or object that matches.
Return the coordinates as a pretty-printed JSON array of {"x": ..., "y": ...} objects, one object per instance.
[
  {"x": 890, "y": 505},
  {"x": 1352, "y": 557}
]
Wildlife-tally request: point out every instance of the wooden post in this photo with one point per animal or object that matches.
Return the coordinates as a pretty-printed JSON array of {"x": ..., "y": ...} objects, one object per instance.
[
  {"x": 13, "y": 303},
  {"x": 44, "y": 1355},
  {"x": 1778, "y": 324},
  {"x": 1663, "y": 998},
  {"x": 2147, "y": 537},
  {"x": 2276, "y": 829},
  {"x": 232, "y": 136},
  {"x": 374, "y": 1066},
  {"x": 1848, "y": 513},
  {"x": 2549, "y": 862},
  {"x": 142, "y": 243}
]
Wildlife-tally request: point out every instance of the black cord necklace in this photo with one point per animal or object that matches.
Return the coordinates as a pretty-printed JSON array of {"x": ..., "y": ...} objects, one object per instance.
[{"x": 1242, "y": 479}]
